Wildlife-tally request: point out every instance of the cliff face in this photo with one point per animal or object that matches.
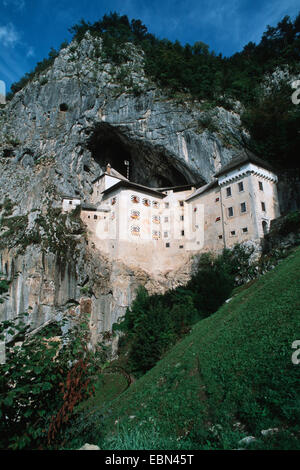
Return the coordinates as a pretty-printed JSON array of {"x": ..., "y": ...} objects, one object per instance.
[
  {"x": 56, "y": 136},
  {"x": 84, "y": 111}
]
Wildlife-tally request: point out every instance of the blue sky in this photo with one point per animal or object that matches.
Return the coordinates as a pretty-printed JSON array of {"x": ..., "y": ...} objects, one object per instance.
[{"x": 29, "y": 28}]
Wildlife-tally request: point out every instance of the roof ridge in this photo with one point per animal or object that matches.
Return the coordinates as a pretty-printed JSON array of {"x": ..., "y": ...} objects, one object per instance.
[{"x": 243, "y": 156}]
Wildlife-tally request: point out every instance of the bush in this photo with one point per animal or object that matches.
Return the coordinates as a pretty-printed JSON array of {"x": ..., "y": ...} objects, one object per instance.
[
  {"x": 41, "y": 382},
  {"x": 212, "y": 284},
  {"x": 291, "y": 223},
  {"x": 148, "y": 330}
]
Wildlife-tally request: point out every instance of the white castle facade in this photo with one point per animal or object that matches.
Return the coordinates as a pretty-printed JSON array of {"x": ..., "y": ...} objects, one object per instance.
[{"x": 157, "y": 229}]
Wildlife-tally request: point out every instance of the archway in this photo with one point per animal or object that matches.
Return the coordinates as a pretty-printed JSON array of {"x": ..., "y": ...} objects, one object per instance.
[{"x": 265, "y": 227}]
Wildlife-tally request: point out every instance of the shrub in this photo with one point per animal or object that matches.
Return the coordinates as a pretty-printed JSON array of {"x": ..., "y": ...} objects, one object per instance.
[
  {"x": 291, "y": 223},
  {"x": 212, "y": 284},
  {"x": 41, "y": 382}
]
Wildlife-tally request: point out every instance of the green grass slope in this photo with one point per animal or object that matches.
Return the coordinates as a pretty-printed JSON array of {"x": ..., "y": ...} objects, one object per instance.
[{"x": 231, "y": 377}]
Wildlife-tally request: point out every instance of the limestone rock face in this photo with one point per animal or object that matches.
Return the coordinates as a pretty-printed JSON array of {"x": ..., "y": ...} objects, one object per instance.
[
  {"x": 56, "y": 135},
  {"x": 49, "y": 286},
  {"x": 83, "y": 112}
]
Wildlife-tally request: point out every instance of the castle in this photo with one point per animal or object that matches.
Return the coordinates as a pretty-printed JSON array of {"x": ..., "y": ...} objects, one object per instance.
[{"x": 158, "y": 229}]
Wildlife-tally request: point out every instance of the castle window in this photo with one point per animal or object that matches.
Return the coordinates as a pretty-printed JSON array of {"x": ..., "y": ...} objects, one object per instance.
[
  {"x": 182, "y": 217},
  {"x": 70, "y": 202},
  {"x": 261, "y": 186},
  {"x": 135, "y": 215},
  {"x": 166, "y": 219},
  {"x": 228, "y": 191},
  {"x": 241, "y": 186},
  {"x": 230, "y": 211},
  {"x": 167, "y": 205},
  {"x": 135, "y": 230},
  {"x": 113, "y": 200},
  {"x": 220, "y": 237},
  {"x": 95, "y": 217},
  {"x": 181, "y": 203},
  {"x": 232, "y": 233},
  {"x": 245, "y": 229},
  {"x": 167, "y": 245},
  {"x": 135, "y": 199},
  {"x": 263, "y": 207},
  {"x": 243, "y": 207},
  {"x": 146, "y": 202},
  {"x": 155, "y": 234},
  {"x": 166, "y": 234},
  {"x": 180, "y": 246},
  {"x": 156, "y": 219},
  {"x": 182, "y": 233},
  {"x": 155, "y": 204},
  {"x": 195, "y": 209},
  {"x": 217, "y": 199}
]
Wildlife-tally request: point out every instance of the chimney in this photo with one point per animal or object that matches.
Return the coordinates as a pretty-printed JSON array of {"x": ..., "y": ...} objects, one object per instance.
[{"x": 108, "y": 167}]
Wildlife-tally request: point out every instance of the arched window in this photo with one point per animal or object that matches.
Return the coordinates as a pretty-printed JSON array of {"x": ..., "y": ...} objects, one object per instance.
[
  {"x": 135, "y": 199},
  {"x": 155, "y": 219},
  {"x": 265, "y": 227},
  {"x": 155, "y": 234},
  {"x": 135, "y": 215},
  {"x": 146, "y": 202},
  {"x": 135, "y": 230}
]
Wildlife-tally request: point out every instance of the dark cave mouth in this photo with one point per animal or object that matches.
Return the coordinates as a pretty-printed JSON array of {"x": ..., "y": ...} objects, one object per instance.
[{"x": 148, "y": 166}]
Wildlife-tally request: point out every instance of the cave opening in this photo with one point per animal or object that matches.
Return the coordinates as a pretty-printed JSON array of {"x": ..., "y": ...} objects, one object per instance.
[
  {"x": 107, "y": 146},
  {"x": 148, "y": 165}
]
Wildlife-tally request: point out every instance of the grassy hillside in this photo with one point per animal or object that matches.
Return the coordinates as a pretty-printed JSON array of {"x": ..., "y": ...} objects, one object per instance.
[{"x": 231, "y": 377}]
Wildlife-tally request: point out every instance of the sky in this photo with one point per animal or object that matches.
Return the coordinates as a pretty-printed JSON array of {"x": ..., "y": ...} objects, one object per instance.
[{"x": 29, "y": 28}]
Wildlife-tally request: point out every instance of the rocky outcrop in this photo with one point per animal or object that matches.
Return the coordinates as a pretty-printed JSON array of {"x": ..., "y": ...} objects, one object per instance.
[
  {"x": 284, "y": 233},
  {"x": 84, "y": 112},
  {"x": 289, "y": 190},
  {"x": 89, "y": 447}
]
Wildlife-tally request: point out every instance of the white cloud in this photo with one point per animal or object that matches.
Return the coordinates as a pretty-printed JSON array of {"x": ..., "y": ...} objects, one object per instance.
[
  {"x": 18, "y": 4},
  {"x": 9, "y": 36},
  {"x": 12, "y": 66},
  {"x": 30, "y": 52}
]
